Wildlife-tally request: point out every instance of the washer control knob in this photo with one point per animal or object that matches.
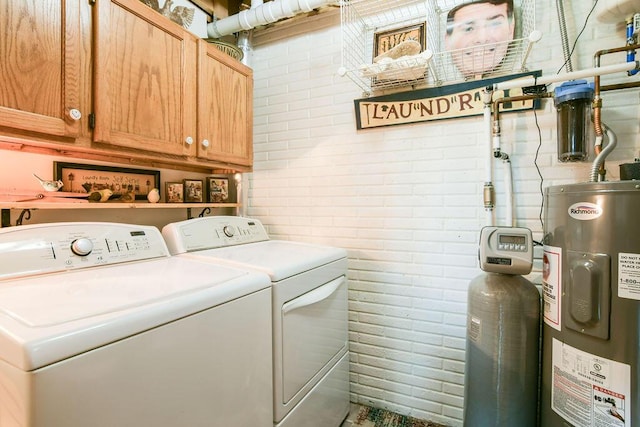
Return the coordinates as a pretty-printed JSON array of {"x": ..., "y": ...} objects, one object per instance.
[
  {"x": 82, "y": 246},
  {"x": 229, "y": 230}
]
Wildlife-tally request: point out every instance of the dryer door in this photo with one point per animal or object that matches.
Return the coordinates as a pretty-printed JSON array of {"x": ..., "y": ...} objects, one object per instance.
[{"x": 314, "y": 332}]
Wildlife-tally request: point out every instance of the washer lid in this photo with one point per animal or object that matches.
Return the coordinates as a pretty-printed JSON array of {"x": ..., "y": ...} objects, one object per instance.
[
  {"x": 48, "y": 318},
  {"x": 280, "y": 259}
]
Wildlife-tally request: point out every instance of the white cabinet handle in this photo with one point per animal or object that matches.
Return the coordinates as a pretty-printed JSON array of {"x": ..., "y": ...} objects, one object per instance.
[
  {"x": 75, "y": 114},
  {"x": 188, "y": 140},
  {"x": 316, "y": 295},
  {"x": 205, "y": 143}
]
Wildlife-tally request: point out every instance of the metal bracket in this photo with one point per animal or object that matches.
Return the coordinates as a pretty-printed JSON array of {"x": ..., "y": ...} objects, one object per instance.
[
  {"x": 25, "y": 214},
  {"x": 204, "y": 212}
]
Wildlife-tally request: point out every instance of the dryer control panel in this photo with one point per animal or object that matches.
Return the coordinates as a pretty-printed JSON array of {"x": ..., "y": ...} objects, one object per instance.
[
  {"x": 46, "y": 248},
  {"x": 212, "y": 232}
]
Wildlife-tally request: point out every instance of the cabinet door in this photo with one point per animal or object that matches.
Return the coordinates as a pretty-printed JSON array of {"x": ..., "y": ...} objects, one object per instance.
[
  {"x": 144, "y": 80},
  {"x": 39, "y": 66},
  {"x": 225, "y": 107}
]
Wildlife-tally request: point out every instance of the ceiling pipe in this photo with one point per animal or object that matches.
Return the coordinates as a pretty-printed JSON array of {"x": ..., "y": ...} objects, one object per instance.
[{"x": 263, "y": 14}]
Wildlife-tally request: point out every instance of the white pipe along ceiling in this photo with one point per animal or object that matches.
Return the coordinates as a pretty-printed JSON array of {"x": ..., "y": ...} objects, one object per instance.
[{"x": 262, "y": 14}]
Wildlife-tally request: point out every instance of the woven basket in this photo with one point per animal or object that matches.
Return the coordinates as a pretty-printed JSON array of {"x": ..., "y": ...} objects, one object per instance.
[{"x": 231, "y": 50}]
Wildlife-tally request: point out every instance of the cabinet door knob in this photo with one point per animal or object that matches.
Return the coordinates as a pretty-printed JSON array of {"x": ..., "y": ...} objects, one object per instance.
[
  {"x": 75, "y": 114},
  {"x": 188, "y": 140},
  {"x": 205, "y": 143}
]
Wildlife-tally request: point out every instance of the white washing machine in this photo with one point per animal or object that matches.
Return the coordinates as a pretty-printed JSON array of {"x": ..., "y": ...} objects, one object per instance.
[
  {"x": 310, "y": 313},
  {"x": 100, "y": 327}
]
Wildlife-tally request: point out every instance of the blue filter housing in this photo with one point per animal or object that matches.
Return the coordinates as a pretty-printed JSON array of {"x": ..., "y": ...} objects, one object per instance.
[{"x": 573, "y": 103}]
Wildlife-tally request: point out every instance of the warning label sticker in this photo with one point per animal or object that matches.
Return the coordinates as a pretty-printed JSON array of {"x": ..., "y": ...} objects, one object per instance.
[
  {"x": 629, "y": 276},
  {"x": 588, "y": 390},
  {"x": 551, "y": 285}
]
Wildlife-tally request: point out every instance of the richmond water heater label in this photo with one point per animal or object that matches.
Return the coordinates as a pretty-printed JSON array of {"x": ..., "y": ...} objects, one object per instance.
[
  {"x": 585, "y": 211},
  {"x": 588, "y": 390},
  {"x": 629, "y": 276},
  {"x": 551, "y": 285}
]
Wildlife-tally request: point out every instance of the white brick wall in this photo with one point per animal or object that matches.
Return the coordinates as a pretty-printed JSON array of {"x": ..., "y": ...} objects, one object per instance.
[{"x": 406, "y": 201}]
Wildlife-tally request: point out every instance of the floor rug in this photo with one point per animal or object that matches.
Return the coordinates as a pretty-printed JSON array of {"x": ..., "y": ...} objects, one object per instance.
[{"x": 373, "y": 417}]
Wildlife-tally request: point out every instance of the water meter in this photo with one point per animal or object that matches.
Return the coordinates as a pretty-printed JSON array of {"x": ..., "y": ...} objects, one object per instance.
[{"x": 507, "y": 250}]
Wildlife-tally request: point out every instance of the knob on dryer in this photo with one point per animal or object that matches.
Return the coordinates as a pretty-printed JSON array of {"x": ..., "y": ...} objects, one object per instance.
[
  {"x": 82, "y": 246},
  {"x": 229, "y": 230}
]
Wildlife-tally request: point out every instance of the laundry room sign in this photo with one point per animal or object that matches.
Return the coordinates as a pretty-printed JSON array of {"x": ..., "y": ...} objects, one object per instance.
[{"x": 447, "y": 102}]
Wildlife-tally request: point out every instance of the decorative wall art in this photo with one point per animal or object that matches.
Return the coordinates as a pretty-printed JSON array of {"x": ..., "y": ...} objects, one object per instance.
[
  {"x": 133, "y": 184},
  {"x": 447, "y": 102},
  {"x": 478, "y": 35},
  {"x": 193, "y": 191},
  {"x": 174, "y": 192}
]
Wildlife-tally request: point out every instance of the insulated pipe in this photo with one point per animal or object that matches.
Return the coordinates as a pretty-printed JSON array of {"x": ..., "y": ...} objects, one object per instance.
[
  {"x": 265, "y": 13},
  {"x": 589, "y": 72},
  {"x": 494, "y": 143},
  {"x": 488, "y": 180}
]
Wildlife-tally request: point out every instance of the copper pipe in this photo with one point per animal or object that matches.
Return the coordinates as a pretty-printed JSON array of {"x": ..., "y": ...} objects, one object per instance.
[
  {"x": 597, "y": 100},
  {"x": 497, "y": 102},
  {"x": 619, "y": 86}
]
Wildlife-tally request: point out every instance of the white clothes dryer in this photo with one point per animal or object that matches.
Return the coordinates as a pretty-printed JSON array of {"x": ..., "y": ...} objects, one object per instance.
[
  {"x": 310, "y": 313},
  {"x": 101, "y": 327}
]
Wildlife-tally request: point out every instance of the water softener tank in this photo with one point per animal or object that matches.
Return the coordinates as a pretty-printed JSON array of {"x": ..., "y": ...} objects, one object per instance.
[
  {"x": 591, "y": 293},
  {"x": 503, "y": 331},
  {"x": 573, "y": 104}
]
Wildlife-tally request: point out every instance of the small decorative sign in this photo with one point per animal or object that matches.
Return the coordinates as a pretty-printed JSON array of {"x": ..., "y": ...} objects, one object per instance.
[
  {"x": 447, "y": 102},
  {"x": 83, "y": 178}
]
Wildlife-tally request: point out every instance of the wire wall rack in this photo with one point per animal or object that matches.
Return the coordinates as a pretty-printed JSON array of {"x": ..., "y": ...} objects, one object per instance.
[{"x": 366, "y": 25}]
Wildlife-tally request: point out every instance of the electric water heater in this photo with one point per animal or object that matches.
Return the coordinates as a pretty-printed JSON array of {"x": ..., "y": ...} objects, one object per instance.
[{"x": 591, "y": 310}]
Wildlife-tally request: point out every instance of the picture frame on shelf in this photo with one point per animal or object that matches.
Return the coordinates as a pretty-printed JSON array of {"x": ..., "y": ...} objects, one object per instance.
[
  {"x": 174, "y": 192},
  {"x": 193, "y": 191},
  {"x": 86, "y": 178},
  {"x": 384, "y": 41},
  {"x": 397, "y": 55},
  {"x": 217, "y": 189}
]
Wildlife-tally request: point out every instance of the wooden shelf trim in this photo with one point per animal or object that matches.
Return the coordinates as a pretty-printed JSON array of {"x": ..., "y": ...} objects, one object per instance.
[{"x": 112, "y": 205}]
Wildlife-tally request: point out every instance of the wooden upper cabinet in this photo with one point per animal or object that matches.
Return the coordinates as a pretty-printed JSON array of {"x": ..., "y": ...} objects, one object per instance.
[
  {"x": 39, "y": 66},
  {"x": 225, "y": 107},
  {"x": 145, "y": 77}
]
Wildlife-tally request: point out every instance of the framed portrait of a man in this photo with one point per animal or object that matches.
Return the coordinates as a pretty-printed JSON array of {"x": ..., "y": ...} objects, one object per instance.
[{"x": 478, "y": 35}]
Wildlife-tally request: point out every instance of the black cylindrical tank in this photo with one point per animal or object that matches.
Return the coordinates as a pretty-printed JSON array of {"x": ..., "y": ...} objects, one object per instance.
[
  {"x": 591, "y": 292},
  {"x": 502, "y": 355}
]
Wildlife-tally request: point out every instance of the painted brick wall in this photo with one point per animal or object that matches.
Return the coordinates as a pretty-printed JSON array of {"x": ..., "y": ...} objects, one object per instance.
[{"x": 406, "y": 202}]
